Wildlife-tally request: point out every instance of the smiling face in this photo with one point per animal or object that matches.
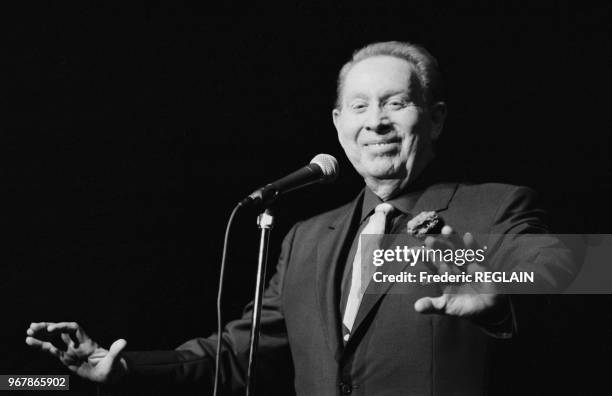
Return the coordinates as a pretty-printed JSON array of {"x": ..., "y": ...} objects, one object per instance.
[{"x": 383, "y": 123}]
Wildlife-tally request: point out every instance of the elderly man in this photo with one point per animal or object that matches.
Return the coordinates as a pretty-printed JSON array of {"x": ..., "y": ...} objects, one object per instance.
[{"x": 320, "y": 325}]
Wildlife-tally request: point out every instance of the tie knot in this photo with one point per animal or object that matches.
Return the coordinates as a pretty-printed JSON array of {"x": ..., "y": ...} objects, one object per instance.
[{"x": 384, "y": 208}]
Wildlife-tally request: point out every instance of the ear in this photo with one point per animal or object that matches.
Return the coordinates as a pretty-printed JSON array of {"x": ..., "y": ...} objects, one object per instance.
[
  {"x": 336, "y": 119},
  {"x": 438, "y": 115}
]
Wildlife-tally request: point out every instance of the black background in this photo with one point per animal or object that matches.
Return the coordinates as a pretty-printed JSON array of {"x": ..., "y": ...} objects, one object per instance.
[{"x": 131, "y": 130}]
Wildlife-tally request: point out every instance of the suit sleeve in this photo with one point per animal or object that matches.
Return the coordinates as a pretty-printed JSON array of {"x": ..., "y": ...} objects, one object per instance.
[
  {"x": 192, "y": 363},
  {"x": 520, "y": 241}
]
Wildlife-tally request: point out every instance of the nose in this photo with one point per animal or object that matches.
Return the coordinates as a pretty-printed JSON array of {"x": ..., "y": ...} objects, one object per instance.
[{"x": 378, "y": 121}]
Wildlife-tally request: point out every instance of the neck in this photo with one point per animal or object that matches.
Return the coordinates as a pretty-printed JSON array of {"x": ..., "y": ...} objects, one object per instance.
[{"x": 386, "y": 189}]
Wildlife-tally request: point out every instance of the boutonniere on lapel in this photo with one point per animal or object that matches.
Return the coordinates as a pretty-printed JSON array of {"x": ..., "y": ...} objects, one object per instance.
[{"x": 425, "y": 223}]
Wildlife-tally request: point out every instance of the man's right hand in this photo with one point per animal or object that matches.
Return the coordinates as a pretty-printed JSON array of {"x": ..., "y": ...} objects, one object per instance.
[{"x": 82, "y": 356}]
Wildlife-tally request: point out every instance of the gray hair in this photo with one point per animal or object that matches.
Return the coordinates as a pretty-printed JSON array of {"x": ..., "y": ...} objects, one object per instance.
[{"x": 425, "y": 66}]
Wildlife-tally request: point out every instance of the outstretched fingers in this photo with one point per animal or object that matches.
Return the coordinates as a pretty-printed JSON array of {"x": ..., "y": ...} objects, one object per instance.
[
  {"x": 431, "y": 305},
  {"x": 36, "y": 327},
  {"x": 75, "y": 333},
  {"x": 63, "y": 326},
  {"x": 42, "y": 335},
  {"x": 43, "y": 345},
  {"x": 447, "y": 240},
  {"x": 37, "y": 337}
]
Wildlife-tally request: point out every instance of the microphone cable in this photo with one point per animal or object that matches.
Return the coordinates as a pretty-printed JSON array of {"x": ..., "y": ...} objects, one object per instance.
[{"x": 219, "y": 296}]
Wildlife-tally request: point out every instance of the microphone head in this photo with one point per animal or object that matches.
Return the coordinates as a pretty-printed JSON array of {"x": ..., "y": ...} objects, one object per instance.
[{"x": 328, "y": 165}]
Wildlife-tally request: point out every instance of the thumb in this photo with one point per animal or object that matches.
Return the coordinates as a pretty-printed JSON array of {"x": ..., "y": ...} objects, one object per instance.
[
  {"x": 429, "y": 305},
  {"x": 116, "y": 348},
  {"x": 104, "y": 370}
]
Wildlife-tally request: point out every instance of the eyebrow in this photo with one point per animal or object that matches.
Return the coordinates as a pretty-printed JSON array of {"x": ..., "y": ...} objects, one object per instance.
[
  {"x": 357, "y": 95},
  {"x": 406, "y": 92},
  {"x": 385, "y": 94}
]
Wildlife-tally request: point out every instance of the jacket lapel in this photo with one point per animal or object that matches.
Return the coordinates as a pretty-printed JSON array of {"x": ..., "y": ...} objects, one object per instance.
[
  {"x": 329, "y": 250},
  {"x": 435, "y": 198}
]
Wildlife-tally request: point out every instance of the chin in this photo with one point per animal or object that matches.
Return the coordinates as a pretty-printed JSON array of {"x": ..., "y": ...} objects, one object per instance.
[{"x": 384, "y": 170}]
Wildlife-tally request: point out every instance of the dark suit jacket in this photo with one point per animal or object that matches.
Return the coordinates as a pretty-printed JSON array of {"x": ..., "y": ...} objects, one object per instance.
[{"x": 393, "y": 349}]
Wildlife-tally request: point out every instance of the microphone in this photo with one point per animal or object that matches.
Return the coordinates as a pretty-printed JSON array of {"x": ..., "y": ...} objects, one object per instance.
[{"x": 323, "y": 168}]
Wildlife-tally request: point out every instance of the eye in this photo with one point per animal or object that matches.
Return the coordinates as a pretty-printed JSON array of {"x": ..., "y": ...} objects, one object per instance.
[
  {"x": 359, "y": 106},
  {"x": 396, "y": 104}
]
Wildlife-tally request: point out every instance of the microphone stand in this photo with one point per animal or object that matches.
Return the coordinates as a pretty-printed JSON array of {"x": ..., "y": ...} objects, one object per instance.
[{"x": 265, "y": 221}]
